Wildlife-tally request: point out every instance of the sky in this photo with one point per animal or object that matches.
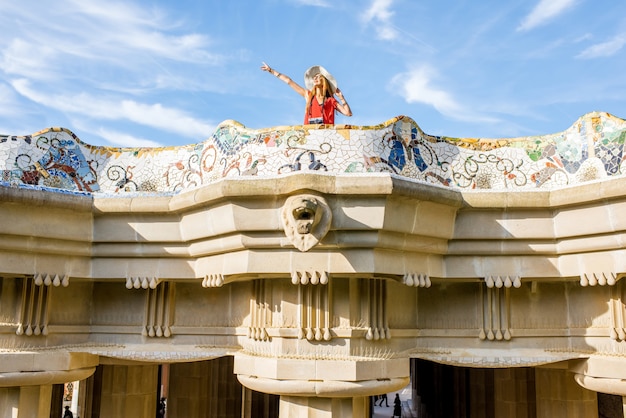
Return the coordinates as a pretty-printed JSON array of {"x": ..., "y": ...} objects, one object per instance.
[{"x": 138, "y": 73}]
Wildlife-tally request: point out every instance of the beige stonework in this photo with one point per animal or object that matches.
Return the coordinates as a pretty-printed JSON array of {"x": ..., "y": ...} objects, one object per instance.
[
  {"x": 321, "y": 287},
  {"x": 395, "y": 277}
]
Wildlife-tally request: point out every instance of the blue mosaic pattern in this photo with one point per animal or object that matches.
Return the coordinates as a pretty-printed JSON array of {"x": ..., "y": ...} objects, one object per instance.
[{"x": 55, "y": 159}]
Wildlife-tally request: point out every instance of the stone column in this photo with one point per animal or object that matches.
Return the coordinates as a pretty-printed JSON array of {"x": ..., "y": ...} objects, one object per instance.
[
  {"x": 26, "y": 388},
  {"x": 311, "y": 407},
  {"x": 443, "y": 391},
  {"x": 25, "y": 402},
  {"x": 258, "y": 405},
  {"x": 75, "y": 392},
  {"x": 204, "y": 389},
  {"x": 558, "y": 395},
  {"x": 128, "y": 391},
  {"x": 514, "y": 392},
  {"x": 9, "y": 400}
]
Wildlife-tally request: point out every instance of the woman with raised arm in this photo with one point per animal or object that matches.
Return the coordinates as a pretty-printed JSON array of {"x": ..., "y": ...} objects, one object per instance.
[{"x": 321, "y": 89}]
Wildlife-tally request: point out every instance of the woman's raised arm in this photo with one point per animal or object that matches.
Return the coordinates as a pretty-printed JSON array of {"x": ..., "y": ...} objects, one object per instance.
[{"x": 283, "y": 77}]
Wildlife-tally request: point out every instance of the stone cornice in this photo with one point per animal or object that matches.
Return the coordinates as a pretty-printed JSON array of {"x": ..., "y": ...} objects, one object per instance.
[
  {"x": 433, "y": 230},
  {"x": 380, "y": 184}
]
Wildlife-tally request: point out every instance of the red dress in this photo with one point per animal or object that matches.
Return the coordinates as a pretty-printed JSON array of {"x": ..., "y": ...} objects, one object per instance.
[{"x": 315, "y": 111}]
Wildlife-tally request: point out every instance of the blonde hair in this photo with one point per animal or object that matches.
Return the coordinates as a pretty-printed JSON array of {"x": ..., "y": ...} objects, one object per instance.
[{"x": 326, "y": 92}]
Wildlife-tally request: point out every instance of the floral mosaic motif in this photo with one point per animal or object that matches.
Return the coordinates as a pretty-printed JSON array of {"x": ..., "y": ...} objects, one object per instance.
[{"x": 592, "y": 148}]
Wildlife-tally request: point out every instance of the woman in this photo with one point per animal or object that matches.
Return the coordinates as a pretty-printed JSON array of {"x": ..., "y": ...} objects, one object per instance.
[
  {"x": 397, "y": 406},
  {"x": 319, "y": 94}
]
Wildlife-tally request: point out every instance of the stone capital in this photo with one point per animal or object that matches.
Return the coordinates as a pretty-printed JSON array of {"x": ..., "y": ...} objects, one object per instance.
[{"x": 326, "y": 378}]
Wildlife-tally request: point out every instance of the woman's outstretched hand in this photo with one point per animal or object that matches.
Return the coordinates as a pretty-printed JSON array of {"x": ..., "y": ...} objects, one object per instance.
[{"x": 266, "y": 67}]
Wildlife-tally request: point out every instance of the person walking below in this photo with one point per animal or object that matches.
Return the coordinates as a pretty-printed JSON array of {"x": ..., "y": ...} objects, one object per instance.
[
  {"x": 161, "y": 408},
  {"x": 383, "y": 398},
  {"x": 320, "y": 92},
  {"x": 397, "y": 407}
]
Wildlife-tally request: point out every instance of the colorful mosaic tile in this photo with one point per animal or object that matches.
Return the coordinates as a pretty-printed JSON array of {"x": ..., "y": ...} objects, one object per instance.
[{"x": 56, "y": 159}]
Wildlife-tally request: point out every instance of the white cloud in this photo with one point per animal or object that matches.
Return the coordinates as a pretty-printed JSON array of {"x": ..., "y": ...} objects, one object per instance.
[
  {"x": 26, "y": 59},
  {"x": 113, "y": 137},
  {"x": 151, "y": 115},
  {"x": 604, "y": 49},
  {"x": 77, "y": 46},
  {"x": 9, "y": 105},
  {"x": 582, "y": 38},
  {"x": 416, "y": 86},
  {"x": 122, "y": 139},
  {"x": 103, "y": 38},
  {"x": 545, "y": 11},
  {"x": 168, "y": 119},
  {"x": 379, "y": 14}
]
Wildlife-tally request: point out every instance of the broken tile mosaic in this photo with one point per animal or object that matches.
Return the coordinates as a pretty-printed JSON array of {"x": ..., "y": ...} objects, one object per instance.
[{"x": 54, "y": 158}]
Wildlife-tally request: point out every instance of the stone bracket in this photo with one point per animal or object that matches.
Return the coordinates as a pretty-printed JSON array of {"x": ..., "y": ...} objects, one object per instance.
[
  {"x": 34, "y": 307},
  {"x": 260, "y": 311},
  {"x": 43, "y": 279},
  {"x": 617, "y": 311},
  {"x": 376, "y": 320},
  {"x": 496, "y": 308},
  {"x": 309, "y": 276},
  {"x": 213, "y": 280},
  {"x": 142, "y": 282},
  {"x": 503, "y": 281},
  {"x": 416, "y": 280},
  {"x": 314, "y": 313},
  {"x": 598, "y": 278},
  {"x": 158, "y": 316}
]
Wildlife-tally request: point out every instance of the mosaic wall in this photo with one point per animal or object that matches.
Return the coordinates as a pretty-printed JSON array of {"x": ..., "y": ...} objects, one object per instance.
[{"x": 592, "y": 148}]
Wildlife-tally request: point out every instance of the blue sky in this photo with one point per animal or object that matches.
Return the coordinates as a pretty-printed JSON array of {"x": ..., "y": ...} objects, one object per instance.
[{"x": 160, "y": 73}]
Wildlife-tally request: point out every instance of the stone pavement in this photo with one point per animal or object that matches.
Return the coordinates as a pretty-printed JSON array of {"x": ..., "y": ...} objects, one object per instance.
[{"x": 387, "y": 412}]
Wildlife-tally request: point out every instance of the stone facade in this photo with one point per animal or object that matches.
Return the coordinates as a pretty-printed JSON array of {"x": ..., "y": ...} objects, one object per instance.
[{"x": 324, "y": 261}]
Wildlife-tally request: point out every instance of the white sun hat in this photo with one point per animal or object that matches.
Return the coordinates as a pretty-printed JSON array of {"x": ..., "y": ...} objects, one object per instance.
[{"x": 315, "y": 70}]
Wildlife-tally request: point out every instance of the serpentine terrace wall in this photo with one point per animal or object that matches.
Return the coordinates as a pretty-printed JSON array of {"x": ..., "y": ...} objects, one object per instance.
[{"x": 592, "y": 148}]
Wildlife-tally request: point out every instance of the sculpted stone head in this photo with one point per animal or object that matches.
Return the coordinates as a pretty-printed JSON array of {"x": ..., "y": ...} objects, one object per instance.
[
  {"x": 306, "y": 220},
  {"x": 305, "y": 214}
]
